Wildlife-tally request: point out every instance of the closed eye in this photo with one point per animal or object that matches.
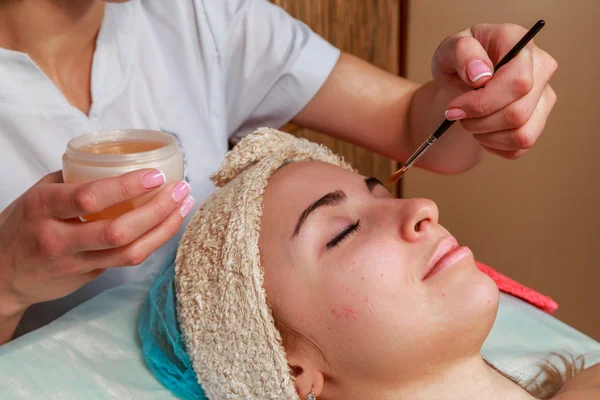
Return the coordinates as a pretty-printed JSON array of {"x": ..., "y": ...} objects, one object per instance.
[{"x": 343, "y": 235}]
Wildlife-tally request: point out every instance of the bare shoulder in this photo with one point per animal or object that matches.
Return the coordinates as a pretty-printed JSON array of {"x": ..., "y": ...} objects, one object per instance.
[{"x": 585, "y": 385}]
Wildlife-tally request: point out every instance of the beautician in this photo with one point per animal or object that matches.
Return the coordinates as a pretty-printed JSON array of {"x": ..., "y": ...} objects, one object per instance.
[{"x": 207, "y": 71}]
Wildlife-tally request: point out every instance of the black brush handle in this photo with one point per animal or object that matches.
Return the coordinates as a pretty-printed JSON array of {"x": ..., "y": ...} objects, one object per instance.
[{"x": 522, "y": 43}]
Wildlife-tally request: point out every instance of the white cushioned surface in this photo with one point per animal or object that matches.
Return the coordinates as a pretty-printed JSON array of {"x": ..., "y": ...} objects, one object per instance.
[{"x": 93, "y": 351}]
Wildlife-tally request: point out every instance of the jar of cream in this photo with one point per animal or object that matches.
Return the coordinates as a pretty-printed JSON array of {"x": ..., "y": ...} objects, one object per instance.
[{"x": 106, "y": 154}]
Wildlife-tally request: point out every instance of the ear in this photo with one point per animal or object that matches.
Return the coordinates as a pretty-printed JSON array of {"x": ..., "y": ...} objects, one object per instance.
[{"x": 307, "y": 375}]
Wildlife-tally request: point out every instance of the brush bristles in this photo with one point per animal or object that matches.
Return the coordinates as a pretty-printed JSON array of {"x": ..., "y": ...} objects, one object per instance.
[{"x": 397, "y": 175}]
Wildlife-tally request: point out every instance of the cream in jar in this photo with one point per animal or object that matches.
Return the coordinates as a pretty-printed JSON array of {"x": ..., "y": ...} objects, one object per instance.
[{"x": 105, "y": 154}]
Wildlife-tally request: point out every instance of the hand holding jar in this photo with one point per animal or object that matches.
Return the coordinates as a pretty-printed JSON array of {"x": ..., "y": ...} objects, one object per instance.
[{"x": 126, "y": 184}]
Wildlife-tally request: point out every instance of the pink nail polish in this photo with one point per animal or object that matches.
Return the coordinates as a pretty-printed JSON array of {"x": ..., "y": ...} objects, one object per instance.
[
  {"x": 180, "y": 191},
  {"x": 186, "y": 207},
  {"x": 455, "y": 114},
  {"x": 153, "y": 179},
  {"x": 477, "y": 69}
]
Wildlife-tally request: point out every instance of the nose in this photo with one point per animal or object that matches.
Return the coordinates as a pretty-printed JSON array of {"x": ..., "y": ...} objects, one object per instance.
[{"x": 416, "y": 217}]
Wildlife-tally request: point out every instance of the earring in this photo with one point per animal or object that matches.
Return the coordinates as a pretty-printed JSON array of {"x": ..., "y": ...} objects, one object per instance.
[{"x": 311, "y": 396}]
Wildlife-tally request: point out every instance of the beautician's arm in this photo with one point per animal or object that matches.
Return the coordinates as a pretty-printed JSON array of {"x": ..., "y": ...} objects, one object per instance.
[
  {"x": 393, "y": 116},
  {"x": 387, "y": 114}
]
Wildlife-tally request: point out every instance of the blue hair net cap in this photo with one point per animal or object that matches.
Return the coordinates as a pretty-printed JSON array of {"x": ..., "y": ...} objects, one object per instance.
[{"x": 162, "y": 345}]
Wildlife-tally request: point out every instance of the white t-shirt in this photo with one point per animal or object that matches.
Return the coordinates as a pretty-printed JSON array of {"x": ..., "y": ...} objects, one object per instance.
[{"x": 203, "y": 70}]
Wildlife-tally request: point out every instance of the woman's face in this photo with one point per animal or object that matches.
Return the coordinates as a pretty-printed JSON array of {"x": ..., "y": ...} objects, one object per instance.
[{"x": 346, "y": 266}]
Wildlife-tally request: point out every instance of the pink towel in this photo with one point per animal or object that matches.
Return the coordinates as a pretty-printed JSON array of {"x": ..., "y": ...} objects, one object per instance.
[{"x": 507, "y": 285}]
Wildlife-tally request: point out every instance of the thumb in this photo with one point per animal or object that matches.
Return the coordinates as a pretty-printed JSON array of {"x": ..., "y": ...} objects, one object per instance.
[
  {"x": 472, "y": 62},
  {"x": 465, "y": 56}
]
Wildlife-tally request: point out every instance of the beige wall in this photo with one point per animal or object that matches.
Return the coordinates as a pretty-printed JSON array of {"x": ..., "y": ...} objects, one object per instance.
[{"x": 536, "y": 219}]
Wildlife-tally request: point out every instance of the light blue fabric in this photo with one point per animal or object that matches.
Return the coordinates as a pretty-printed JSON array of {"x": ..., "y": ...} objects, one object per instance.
[
  {"x": 90, "y": 353},
  {"x": 162, "y": 344},
  {"x": 93, "y": 352},
  {"x": 523, "y": 335}
]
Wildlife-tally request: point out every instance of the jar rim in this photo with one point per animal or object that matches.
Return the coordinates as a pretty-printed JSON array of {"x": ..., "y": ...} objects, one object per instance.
[{"x": 73, "y": 149}]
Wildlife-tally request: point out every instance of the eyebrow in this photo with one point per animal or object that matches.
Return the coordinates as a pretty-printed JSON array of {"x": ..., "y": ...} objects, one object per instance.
[
  {"x": 371, "y": 182},
  {"x": 330, "y": 199}
]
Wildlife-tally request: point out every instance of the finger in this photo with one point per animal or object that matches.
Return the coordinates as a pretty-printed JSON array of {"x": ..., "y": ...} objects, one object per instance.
[
  {"x": 510, "y": 83},
  {"x": 516, "y": 114},
  {"x": 464, "y": 56},
  {"x": 123, "y": 230},
  {"x": 517, "y": 140},
  {"x": 498, "y": 39},
  {"x": 509, "y": 155},
  {"x": 54, "y": 177},
  {"x": 70, "y": 200},
  {"x": 138, "y": 251}
]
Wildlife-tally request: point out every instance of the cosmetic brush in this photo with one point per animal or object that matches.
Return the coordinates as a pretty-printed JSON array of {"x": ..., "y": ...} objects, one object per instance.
[{"x": 447, "y": 123}]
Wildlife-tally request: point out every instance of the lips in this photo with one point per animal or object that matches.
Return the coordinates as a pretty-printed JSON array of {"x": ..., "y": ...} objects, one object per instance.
[{"x": 445, "y": 254}]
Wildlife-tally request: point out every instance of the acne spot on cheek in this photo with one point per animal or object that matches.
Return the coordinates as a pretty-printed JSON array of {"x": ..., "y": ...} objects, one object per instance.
[
  {"x": 328, "y": 328},
  {"x": 369, "y": 305},
  {"x": 350, "y": 313},
  {"x": 362, "y": 277},
  {"x": 443, "y": 294},
  {"x": 346, "y": 313}
]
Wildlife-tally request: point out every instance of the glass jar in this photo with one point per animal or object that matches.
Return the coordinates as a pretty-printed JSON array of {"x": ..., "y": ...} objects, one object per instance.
[{"x": 112, "y": 153}]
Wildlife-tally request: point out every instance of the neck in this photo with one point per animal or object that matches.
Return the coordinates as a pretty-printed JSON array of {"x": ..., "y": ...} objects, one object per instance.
[
  {"x": 50, "y": 31},
  {"x": 59, "y": 36},
  {"x": 470, "y": 378}
]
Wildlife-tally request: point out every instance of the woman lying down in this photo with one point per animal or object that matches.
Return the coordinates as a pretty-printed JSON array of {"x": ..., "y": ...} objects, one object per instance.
[{"x": 301, "y": 279}]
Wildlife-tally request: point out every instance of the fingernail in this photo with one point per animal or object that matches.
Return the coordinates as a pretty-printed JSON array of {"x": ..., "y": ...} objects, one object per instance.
[
  {"x": 180, "y": 191},
  {"x": 454, "y": 114},
  {"x": 477, "y": 69},
  {"x": 153, "y": 179},
  {"x": 186, "y": 207}
]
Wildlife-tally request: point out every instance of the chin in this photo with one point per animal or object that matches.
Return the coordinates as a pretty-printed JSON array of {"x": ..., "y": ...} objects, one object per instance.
[
  {"x": 481, "y": 292},
  {"x": 486, "y": 294},
  {"x": 471, "y": 302},
  {"x": 481, "y": 305}
]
